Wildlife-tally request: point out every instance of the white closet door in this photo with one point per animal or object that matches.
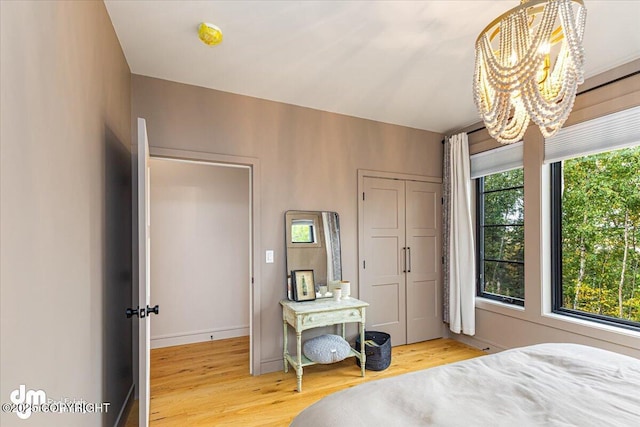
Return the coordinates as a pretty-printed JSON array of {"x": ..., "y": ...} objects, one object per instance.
[
  {"x": 383, "y": 285},
  {"x": 423, "y": 212}
]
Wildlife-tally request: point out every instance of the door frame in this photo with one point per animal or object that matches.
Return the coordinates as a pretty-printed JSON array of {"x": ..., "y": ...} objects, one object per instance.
[
  {"x": 366, "y": 173},
  {"x": 254, "y": 233}
]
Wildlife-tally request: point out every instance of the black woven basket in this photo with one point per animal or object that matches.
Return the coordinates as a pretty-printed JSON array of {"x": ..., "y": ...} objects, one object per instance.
[{"x": 378, "y": 357}]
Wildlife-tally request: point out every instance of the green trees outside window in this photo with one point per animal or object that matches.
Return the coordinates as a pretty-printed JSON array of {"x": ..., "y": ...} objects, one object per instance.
[
  {"x": 302, "y": 231},
  {"x": 596, "y": 234},
  {"x": 500, "y": 236}
]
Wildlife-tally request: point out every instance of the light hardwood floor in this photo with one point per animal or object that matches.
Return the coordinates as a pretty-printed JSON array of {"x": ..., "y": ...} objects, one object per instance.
[{"x": 208, "y": 384}]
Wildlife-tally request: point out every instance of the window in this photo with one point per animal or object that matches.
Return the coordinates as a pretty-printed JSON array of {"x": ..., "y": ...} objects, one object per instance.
[
  {"x": 500, "y": 236},
  {"x": 303, "y": 231},
  {"x": 595, "y": 208}
]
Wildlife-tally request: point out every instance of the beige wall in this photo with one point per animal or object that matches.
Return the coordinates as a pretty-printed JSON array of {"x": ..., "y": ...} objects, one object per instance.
[
  {"x": 65, "y": 98},
  {"x": 499, "y": 326},
  {"x": 199, "y": 252},
  {"x": 309, "y": 161}
]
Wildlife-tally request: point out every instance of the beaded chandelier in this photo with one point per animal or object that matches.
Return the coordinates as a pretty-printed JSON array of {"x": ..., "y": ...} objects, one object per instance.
[{"x": 529, "y": 63}]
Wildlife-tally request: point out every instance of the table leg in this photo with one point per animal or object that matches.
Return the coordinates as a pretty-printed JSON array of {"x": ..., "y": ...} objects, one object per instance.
[
  {"x": 343, "y": 331},
  {"x": 299, "y": 367},
  {"x": 284, "y": 348},
  {"x": 363, "y": 353}
]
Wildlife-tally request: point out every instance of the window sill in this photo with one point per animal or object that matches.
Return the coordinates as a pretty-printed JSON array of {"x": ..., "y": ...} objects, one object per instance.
[
  {"x": 556, "y": 317},
  {"x": 498, "y": 306},
  {"x": 581, "y": 327}
]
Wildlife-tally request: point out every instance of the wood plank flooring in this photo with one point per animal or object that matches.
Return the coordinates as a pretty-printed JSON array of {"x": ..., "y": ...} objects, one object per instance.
[{"x": 208, "y": 384}]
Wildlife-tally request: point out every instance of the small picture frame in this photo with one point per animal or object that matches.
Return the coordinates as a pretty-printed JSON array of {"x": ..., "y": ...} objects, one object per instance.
[{"x": 303, "y": 285}]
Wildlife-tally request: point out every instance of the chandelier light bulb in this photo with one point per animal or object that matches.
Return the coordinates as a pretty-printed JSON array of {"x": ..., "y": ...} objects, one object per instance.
[{"x": 545, "y": 48}]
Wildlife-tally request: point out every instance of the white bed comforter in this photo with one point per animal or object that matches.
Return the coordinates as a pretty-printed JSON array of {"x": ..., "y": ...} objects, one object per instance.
[{"x": 541, "y": 385}]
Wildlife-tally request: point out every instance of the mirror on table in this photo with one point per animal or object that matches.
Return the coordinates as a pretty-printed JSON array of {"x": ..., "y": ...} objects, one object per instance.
[{"x": 312, "y": 241}]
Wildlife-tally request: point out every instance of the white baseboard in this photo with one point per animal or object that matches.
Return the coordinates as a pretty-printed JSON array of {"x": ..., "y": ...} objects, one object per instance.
[
  {"x": 182, "y": 338},
  {"x": 477, "y": 342}
]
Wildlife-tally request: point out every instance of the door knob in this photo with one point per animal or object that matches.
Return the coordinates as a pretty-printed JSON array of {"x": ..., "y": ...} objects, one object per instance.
[
  {"x": 155, "y": 309},
  {"x": 130, "y": 312}
]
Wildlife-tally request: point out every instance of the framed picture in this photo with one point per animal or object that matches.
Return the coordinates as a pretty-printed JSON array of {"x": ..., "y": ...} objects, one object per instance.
[{"x": 303, "y": 285}]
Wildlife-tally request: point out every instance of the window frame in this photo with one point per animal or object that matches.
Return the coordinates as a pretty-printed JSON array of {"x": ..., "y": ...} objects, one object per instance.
[
  {"x": 310, "y": 224},
  {"x": 556, "y": 185},
  {"x": 480, "y": 259}
]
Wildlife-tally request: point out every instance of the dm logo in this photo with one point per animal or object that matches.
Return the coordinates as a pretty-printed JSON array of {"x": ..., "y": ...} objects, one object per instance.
[{"x": 25, "y": 400}]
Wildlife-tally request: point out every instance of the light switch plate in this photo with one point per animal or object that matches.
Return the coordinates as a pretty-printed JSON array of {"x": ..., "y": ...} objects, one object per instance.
[{"x": 269, "y": 257}]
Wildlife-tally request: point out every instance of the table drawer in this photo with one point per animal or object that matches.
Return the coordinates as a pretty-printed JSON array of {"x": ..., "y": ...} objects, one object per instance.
[{"x": 311, "y": 320}]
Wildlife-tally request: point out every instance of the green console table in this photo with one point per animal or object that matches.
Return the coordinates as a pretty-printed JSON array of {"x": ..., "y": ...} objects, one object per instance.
[{"x": 315, "y": 314}]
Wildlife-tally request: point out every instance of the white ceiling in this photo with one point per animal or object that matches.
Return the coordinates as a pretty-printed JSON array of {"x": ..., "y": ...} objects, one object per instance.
[{"x": 403, "y": 62}]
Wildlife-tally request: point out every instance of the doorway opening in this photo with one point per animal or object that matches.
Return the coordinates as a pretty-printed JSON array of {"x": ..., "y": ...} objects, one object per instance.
[
  {"x": 200, "y": 251},
  {"x": 212, "y": 186},
  {"x": 252, "y": 167}
]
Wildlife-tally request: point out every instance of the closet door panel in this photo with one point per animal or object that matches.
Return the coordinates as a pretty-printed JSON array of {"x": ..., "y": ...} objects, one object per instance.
[
  {"x": 388, "y": 319},
  {"x": 380, "y": 263},
  {"x": 423, "y": 213},
  {"x": 383, "y": 285}
]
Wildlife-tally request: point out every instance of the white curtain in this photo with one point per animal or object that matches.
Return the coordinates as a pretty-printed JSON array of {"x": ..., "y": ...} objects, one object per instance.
[
  {"x": 332, "y": 243},
  {"x": 328, "y": 246},
  {"x": 462, "y": 263}
]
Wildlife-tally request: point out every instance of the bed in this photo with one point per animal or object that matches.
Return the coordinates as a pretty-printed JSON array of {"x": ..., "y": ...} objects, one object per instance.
[{"x": 540, "y": 385}]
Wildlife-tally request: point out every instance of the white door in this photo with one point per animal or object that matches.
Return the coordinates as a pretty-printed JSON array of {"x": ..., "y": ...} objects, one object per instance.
[
  {"x": 144, "y": 326},
  {"x": 423, "y": 261},
  {"x": 383, "y": 284}
]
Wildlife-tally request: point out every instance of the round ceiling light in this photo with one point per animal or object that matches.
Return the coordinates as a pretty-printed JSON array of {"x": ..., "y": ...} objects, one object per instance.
[{"x": 209, "y": 34}]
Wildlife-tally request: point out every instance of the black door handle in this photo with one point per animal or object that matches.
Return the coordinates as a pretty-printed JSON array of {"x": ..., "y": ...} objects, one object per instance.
[
  {"x": 404, "y": 260},
  {"x": 130, "y": 312},
  {"x": 155, "y": 309}
]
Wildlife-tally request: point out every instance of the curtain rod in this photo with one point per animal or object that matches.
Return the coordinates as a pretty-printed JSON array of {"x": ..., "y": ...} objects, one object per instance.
[{"x": 609, "y": 82}]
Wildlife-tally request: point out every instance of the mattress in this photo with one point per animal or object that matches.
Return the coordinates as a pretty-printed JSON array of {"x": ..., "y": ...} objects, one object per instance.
[{"x": 540, "y": 385}]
